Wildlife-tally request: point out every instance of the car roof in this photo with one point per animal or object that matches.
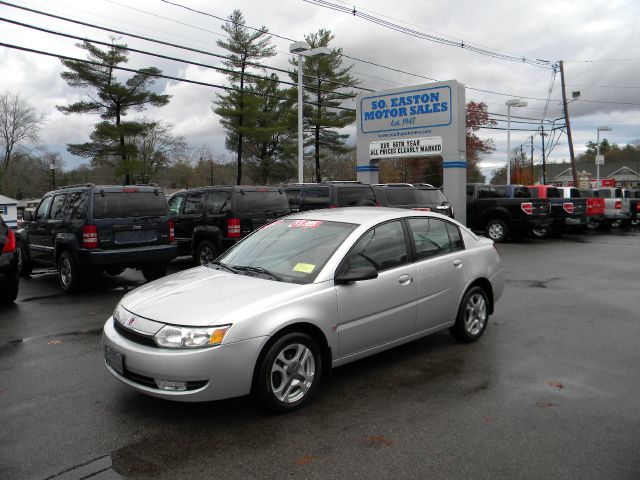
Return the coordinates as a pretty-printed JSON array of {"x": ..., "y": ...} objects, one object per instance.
[{"x": 361, "y": 215}]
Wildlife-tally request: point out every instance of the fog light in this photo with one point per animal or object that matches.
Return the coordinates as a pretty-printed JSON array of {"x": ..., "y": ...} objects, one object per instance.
[{"x": 171, "y": 386}]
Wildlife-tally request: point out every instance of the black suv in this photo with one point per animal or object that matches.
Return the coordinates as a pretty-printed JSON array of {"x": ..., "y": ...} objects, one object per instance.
[
  {"x": 312, "y": 196},
  {"x": 209, "y": 220},
  {"x": 420, "y": 196},
  {"x": 84, "y": 228}
]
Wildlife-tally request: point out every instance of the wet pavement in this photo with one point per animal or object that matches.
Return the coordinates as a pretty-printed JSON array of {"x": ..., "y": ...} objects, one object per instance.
[{"x": 551, "y": 391}]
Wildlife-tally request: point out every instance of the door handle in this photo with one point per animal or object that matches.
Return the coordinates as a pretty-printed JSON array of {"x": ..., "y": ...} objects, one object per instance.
[
  {"x": 405, "y": 280},
  {"x": 457, "y": 263}
]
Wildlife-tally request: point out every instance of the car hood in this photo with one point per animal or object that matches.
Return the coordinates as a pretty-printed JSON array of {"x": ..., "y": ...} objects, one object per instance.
[{"x": 204, "y": 296}]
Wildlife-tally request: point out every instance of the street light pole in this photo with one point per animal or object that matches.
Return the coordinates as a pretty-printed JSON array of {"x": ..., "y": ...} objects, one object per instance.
[
  {"x": 303, "y": 49},
  {"x": 514, "y": 102},
  {"x": 598, "y": 130}
]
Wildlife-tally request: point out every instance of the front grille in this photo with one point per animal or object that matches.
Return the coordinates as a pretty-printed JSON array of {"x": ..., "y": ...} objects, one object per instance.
[
  {"x": 151, "y": 383},
  {"x": 134, "y": 336}
]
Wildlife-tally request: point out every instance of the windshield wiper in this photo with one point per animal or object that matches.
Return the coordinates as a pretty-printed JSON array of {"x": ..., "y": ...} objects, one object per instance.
[
  {"x": 223, "y": 265},
  {"x": 260, "y": 270}
]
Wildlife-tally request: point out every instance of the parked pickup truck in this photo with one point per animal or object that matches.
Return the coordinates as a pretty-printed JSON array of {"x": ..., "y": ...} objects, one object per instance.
[
  {"x": 595, "y": 206},
  {"x": 489, "y": 210},
  {"x": 617, "y": 209},
  {"x": 565, "y": 212}
]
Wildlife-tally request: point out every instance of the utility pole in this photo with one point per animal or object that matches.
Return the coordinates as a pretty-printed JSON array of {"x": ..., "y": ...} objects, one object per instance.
[
  {"x": 211, "y": 171},
  {"x": 531, "y": 159},
  {"x": 574, "y": 172},
  {"x": 544, "y": 160}
]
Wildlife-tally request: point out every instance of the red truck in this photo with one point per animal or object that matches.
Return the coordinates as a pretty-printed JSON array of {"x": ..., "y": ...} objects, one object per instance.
[{"x": 595, "y": 209}]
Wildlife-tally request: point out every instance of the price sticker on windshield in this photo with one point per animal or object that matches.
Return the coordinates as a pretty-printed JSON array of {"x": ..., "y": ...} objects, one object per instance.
[
  {"x": 306, "y": 224},
  {"x": 304, "y": 267}
]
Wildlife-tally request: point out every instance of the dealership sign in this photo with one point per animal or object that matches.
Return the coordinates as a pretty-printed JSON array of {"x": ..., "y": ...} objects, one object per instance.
[
  {"x": 411, "y": 147},
  {"x": 408, "y": 110}
]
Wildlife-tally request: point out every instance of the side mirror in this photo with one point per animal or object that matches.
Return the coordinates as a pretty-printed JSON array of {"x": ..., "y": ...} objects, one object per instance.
[
  {"x": 28, "y": 215},
  {"x": 356, "y": 274}
]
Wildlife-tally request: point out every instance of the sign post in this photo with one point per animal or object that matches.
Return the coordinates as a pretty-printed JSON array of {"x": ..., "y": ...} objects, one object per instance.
[{"x": 418, "y": 121}]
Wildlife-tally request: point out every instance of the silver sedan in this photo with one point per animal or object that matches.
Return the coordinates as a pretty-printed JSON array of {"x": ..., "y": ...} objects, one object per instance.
[{"x": 298, "y": 297}]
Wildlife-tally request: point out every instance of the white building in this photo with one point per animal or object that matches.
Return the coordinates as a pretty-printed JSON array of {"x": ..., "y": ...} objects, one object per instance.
[{"x": 9, "y": 210}]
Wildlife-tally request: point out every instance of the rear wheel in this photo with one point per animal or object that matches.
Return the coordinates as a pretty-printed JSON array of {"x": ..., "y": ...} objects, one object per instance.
[
  {"x": 540, "y": 232},
  {"x": 69, "y": 275},
  {"x": 289, "y": 373},
  {"x": 154, "y": 272},
  {"x": 593, "y": 225},
  {"x": 205, "y": 253},
  {"x": 473, "y": 315},
  {"x": 496, "y": 230}
]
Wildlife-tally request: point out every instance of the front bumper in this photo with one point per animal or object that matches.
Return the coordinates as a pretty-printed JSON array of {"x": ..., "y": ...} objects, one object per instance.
[
  {"x": 129, "y": 256},
  {"x": 226, "y": 371}
]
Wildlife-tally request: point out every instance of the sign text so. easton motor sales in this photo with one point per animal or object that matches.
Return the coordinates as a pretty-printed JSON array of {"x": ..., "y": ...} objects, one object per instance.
[{"x": 408, "y": 110}]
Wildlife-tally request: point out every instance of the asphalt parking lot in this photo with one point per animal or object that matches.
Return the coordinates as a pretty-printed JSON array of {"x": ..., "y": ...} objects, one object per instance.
[{"x": 551, "y": 391}]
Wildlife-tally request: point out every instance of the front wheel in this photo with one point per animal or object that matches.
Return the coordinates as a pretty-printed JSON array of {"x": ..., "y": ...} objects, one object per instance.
[
  {"x": 289, "y": 373},
  {"x": 497, "y": 230},
  {"x": 68, "y": 273},
  {"x": 473, "y": 315}
]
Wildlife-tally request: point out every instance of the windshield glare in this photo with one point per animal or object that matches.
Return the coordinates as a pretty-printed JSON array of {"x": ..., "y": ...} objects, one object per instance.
[{"x": 293, "y": 250}]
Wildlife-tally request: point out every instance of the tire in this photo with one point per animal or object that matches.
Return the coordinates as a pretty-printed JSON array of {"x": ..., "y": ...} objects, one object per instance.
[
  {"x": 24, "y": 264},
  {"x": 496, "y": 230},
  {"x": 540, "y": 232},
  {"x": 154, "y": 272},
  {"x": 473, "y": 315},
  {"x": 10, "y": 293},
  {"x": 206, "y": 252},
  {"x": 275, "y": 388},
  {"x": 69, "y": 274}
]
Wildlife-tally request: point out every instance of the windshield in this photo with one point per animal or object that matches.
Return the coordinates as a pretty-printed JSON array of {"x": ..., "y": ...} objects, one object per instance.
[{"x": 288, "y": 250}]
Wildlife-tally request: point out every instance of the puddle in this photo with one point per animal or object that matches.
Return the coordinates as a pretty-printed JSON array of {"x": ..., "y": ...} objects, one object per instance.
[{"x": 56, "y": 336}]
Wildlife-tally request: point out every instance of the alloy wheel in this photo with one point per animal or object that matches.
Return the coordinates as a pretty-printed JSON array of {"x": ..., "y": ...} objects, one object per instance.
[
  {"x": 292, "y": 373},
  {"x": 475, "y": 314},
  {"x": 496, "y": 231},
  {"x": 206, "y": 255},
  {"x": 65, "y": 271}
]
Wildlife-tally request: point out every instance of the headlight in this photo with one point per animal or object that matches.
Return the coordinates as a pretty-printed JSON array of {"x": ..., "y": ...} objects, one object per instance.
[
  {"x": 171, "y": 336},
  {"x": 120, "y": 314}
]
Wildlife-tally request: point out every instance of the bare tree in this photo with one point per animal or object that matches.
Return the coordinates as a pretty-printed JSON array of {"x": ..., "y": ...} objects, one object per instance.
[
  {"x": 157, "y": 148},
  {"x": 19, "y": 122}
]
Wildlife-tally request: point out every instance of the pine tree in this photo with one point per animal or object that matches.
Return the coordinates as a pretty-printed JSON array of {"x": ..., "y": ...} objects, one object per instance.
[
  {"x": 113, "y": 101},
  {"x": 327, "y": 83},
  {"x": 245, "y": 47}
]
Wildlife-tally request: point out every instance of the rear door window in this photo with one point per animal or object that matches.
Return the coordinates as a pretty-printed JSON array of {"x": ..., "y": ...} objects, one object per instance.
[
  {"x": 57, "y": 207},
  {"x": 77, "y": 206},
  {"x": 218, "y": 202},
  {"x": 315, "y": 197},
  {"x": 125, "y": 204},
  {"x": 553, "y": 192},
  {"x": 400, "y": 197},
  {"x": 293, "y": 195},
  {"x": 262, "y": 201},
  {"x": 356, "y": 196},
  {"x": 430, "y": 237},
  {"x": 521, "y": 192},
  {"x": 436, "y": 196},
  {"x": 193, "y": 204}
]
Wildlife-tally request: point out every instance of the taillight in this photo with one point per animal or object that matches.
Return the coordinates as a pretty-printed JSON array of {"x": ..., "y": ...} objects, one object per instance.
[
  {"x": 10, "y": 244},
  {"x": 638, "y": 207},
  {"x": 90, "y": 236},
  {"x": 233, "y": 227},
  {"x": 618, "y": 204},
  {"x": 527, "y": 208},
  {"x": 172, "y": 232},
  {"x": 568, "y": 207},
  {"x": 333, "y": 206}
]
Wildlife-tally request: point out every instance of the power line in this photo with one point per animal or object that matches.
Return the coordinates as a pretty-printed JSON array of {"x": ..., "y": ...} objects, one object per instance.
[
  {"x": 165, "y": 57},
  {"x": 432, "y": 38},
  {"x": 157, "y": 75}
]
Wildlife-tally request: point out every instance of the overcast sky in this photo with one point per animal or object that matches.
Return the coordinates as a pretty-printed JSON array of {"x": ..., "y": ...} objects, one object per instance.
[{"x": 598, "y": 41}]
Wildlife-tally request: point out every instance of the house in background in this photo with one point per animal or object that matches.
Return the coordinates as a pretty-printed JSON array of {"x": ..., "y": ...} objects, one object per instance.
[
  {"x": 624, "y": 175},
  {"x": 9, "y": 210}
]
